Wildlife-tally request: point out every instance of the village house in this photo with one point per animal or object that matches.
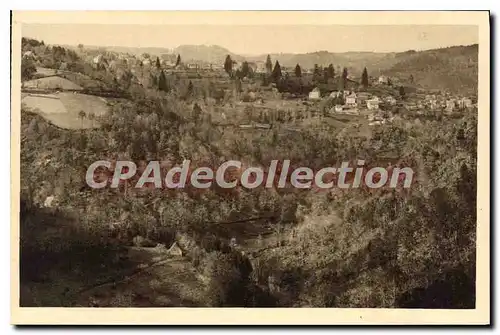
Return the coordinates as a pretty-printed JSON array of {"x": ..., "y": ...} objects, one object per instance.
[
  {"x": 430, "y": 97},
  {"x": 29, "y": 54},
  {"x": 99, "y": 61},
  {"x": 383, "y": 80},
  {"x": 373, "y": 103},
  {"x": 411, "y": 106},
  {"x": 362, "y": 97},
  {"x": 375, "y": 117},
  {"x": 390, "y": 100},
  {"x": 464, "y": 103},
  {"x": 350, "y": 100},
  {"x": 433, "y": 104},
  {"x": 314, "y": 94},
  {"x": 450, "y": 105},
  {"x": 146, "y": 61},
  {"x": 260, "y": 67}
]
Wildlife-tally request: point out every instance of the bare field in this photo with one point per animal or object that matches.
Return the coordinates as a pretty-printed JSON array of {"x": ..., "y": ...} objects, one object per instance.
[{"x": 63, "y": 109}]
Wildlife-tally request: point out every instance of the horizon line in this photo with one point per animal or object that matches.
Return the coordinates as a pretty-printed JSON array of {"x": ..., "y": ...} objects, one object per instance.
[{"x": 255, "y": 55}]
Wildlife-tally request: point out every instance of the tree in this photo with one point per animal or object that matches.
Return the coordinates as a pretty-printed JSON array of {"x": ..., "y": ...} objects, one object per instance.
[
  {"x": 326, "y": 75},
  {"x": 245, "y": 69},
  {"x": 276, "y": 72},
  {"x": 343, "y": 80},
  {"x": 28, "y": 69},
  {"x": 269, "y": 64},
  {"x": 237, "y": 86},
  {"x": 364, "y": 78},
  {"x": 81, "y": 115},
  {"x": 344, "y": 74},
  {"x": 162, "y": 82},
  {"x": 190, "y": 88},
  {"x": 402, "y": 92},
  {"x": 298, "y": 71},
  {"x": 316, "y": 72},
  {"x": 178, "y": 62},
  {"x": 92, "y": 117},
  {"x": 228, "y": 65},
  {"x": 331, "y": 71},
  {"x": 158, "y": 65},
  {"x": 196, "y": 112},
  {"x": 239, "y": 74}
]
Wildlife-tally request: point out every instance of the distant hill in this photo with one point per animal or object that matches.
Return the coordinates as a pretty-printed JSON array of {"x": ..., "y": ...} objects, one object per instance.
[
  {"x": 190, "y": 53},
  {"x": 453, "y": 68},
  {"x": 205, "y": 53},
  {"x": 354, "y": 61}
]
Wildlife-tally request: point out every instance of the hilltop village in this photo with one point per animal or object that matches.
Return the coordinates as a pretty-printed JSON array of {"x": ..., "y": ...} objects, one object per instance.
[{"x": 240, "y": 93}]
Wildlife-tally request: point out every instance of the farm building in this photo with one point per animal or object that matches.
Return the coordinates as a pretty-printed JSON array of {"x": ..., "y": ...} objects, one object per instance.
[{"x": 314, "y": 94}]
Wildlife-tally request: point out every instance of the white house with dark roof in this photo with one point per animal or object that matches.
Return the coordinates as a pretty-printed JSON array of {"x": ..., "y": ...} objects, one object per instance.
[{"x": 350, "y": 100}]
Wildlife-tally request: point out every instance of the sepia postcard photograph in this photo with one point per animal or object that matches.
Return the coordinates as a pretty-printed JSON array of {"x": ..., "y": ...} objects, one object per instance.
[{"x": 274, "y": 167}]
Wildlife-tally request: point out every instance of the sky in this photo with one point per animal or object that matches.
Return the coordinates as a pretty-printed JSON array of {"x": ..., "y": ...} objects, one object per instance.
[{"x": 256, "y": 40}]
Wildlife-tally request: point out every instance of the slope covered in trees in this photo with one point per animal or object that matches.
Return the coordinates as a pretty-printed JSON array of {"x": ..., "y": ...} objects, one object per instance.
[{"x": 454, "y": 68}]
